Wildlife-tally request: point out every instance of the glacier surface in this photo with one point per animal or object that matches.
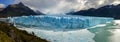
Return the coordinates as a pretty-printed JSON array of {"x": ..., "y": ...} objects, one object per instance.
[{"x": 59, "y": 21}]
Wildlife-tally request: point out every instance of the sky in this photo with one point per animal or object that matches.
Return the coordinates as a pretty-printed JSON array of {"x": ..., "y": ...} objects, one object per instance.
[
  {"x": 4, "y": 3},
  {"x": 58, "y": 7}
]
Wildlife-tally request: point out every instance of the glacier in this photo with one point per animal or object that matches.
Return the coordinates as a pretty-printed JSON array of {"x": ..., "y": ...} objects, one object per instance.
[
  {"x": 44, "y": 26},
  {"x": 100, "y": 33},
  {"x": 59, "y": 21}
]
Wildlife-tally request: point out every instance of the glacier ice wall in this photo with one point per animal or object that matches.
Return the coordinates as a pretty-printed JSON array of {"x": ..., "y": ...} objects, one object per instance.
[{"x": 60, "y": 21}]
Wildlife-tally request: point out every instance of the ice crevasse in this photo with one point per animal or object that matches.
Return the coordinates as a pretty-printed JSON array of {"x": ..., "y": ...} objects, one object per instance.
[{"x": 60, "y": 21}]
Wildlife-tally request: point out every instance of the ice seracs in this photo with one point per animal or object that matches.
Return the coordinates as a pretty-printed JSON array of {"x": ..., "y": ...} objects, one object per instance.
[
  {"x": 37, "y": 24},
  {"x": 60, "y": 21}
]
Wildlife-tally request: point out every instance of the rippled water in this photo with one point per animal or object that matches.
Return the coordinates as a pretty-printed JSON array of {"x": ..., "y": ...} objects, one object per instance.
[{"x": 108, "y": 33}]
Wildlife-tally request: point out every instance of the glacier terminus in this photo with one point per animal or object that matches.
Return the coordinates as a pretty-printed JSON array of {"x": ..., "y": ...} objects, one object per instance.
[
  {"x": 59, "y": 21},
  {"x": 60, "y": 28}
]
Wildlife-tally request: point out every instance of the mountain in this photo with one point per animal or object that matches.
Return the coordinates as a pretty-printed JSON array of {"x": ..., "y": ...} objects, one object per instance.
[
  {"x": 17, "y": 10},
  {"x": 1, "y": 9},
  {"x": 105, "y": 11}
]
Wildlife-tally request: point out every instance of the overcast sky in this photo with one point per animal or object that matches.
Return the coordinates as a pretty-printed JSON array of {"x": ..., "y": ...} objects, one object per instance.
[
  {"x": 62, "y": 6},
  {"x": 65, "y": 6}
]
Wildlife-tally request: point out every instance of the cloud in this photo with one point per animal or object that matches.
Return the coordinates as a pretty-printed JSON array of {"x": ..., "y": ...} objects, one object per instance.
[
  {"x": 65, "y": 6},
  {"x": 2, "y": 5}
]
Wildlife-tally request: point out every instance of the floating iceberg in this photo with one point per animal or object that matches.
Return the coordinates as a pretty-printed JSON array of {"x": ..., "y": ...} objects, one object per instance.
[{"x": 60, "y": 21}]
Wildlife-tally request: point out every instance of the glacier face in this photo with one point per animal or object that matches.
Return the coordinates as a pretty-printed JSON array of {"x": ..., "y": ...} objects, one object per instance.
[{"x": 60, "y": 21}]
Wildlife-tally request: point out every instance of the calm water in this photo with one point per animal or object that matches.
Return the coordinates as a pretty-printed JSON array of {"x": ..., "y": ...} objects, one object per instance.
[{"x": 109, "y": 33}]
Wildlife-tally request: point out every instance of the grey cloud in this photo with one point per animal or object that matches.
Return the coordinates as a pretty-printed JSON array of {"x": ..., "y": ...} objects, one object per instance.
[
  {"x": 2, "y": 5},
  {"x": 65, "y": 6}
]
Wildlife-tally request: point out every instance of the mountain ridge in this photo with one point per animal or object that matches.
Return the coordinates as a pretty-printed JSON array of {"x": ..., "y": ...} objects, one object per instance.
[
  {"x": 20, "y": 9},
  {"x": 105, "y": 11}
]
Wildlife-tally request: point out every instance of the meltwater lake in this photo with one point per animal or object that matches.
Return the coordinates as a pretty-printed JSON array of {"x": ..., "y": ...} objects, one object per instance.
[{"x": 70, "y": 28}]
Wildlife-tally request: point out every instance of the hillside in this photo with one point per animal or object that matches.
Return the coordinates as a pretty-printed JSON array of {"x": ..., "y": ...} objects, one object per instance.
[{"x": 9, "y": 33}]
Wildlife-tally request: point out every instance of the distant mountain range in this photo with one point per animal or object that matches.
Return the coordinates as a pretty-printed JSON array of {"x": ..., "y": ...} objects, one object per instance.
[
  {"x": 105, "y": 11},
  {"x": 18, "y": 10},
  {"x": 22, "y": 10}
]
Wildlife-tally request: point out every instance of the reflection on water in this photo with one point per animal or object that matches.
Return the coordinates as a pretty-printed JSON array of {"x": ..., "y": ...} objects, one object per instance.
[
  {"x": 108, "y": 33},
  {"x": 116, "y": 36}
]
